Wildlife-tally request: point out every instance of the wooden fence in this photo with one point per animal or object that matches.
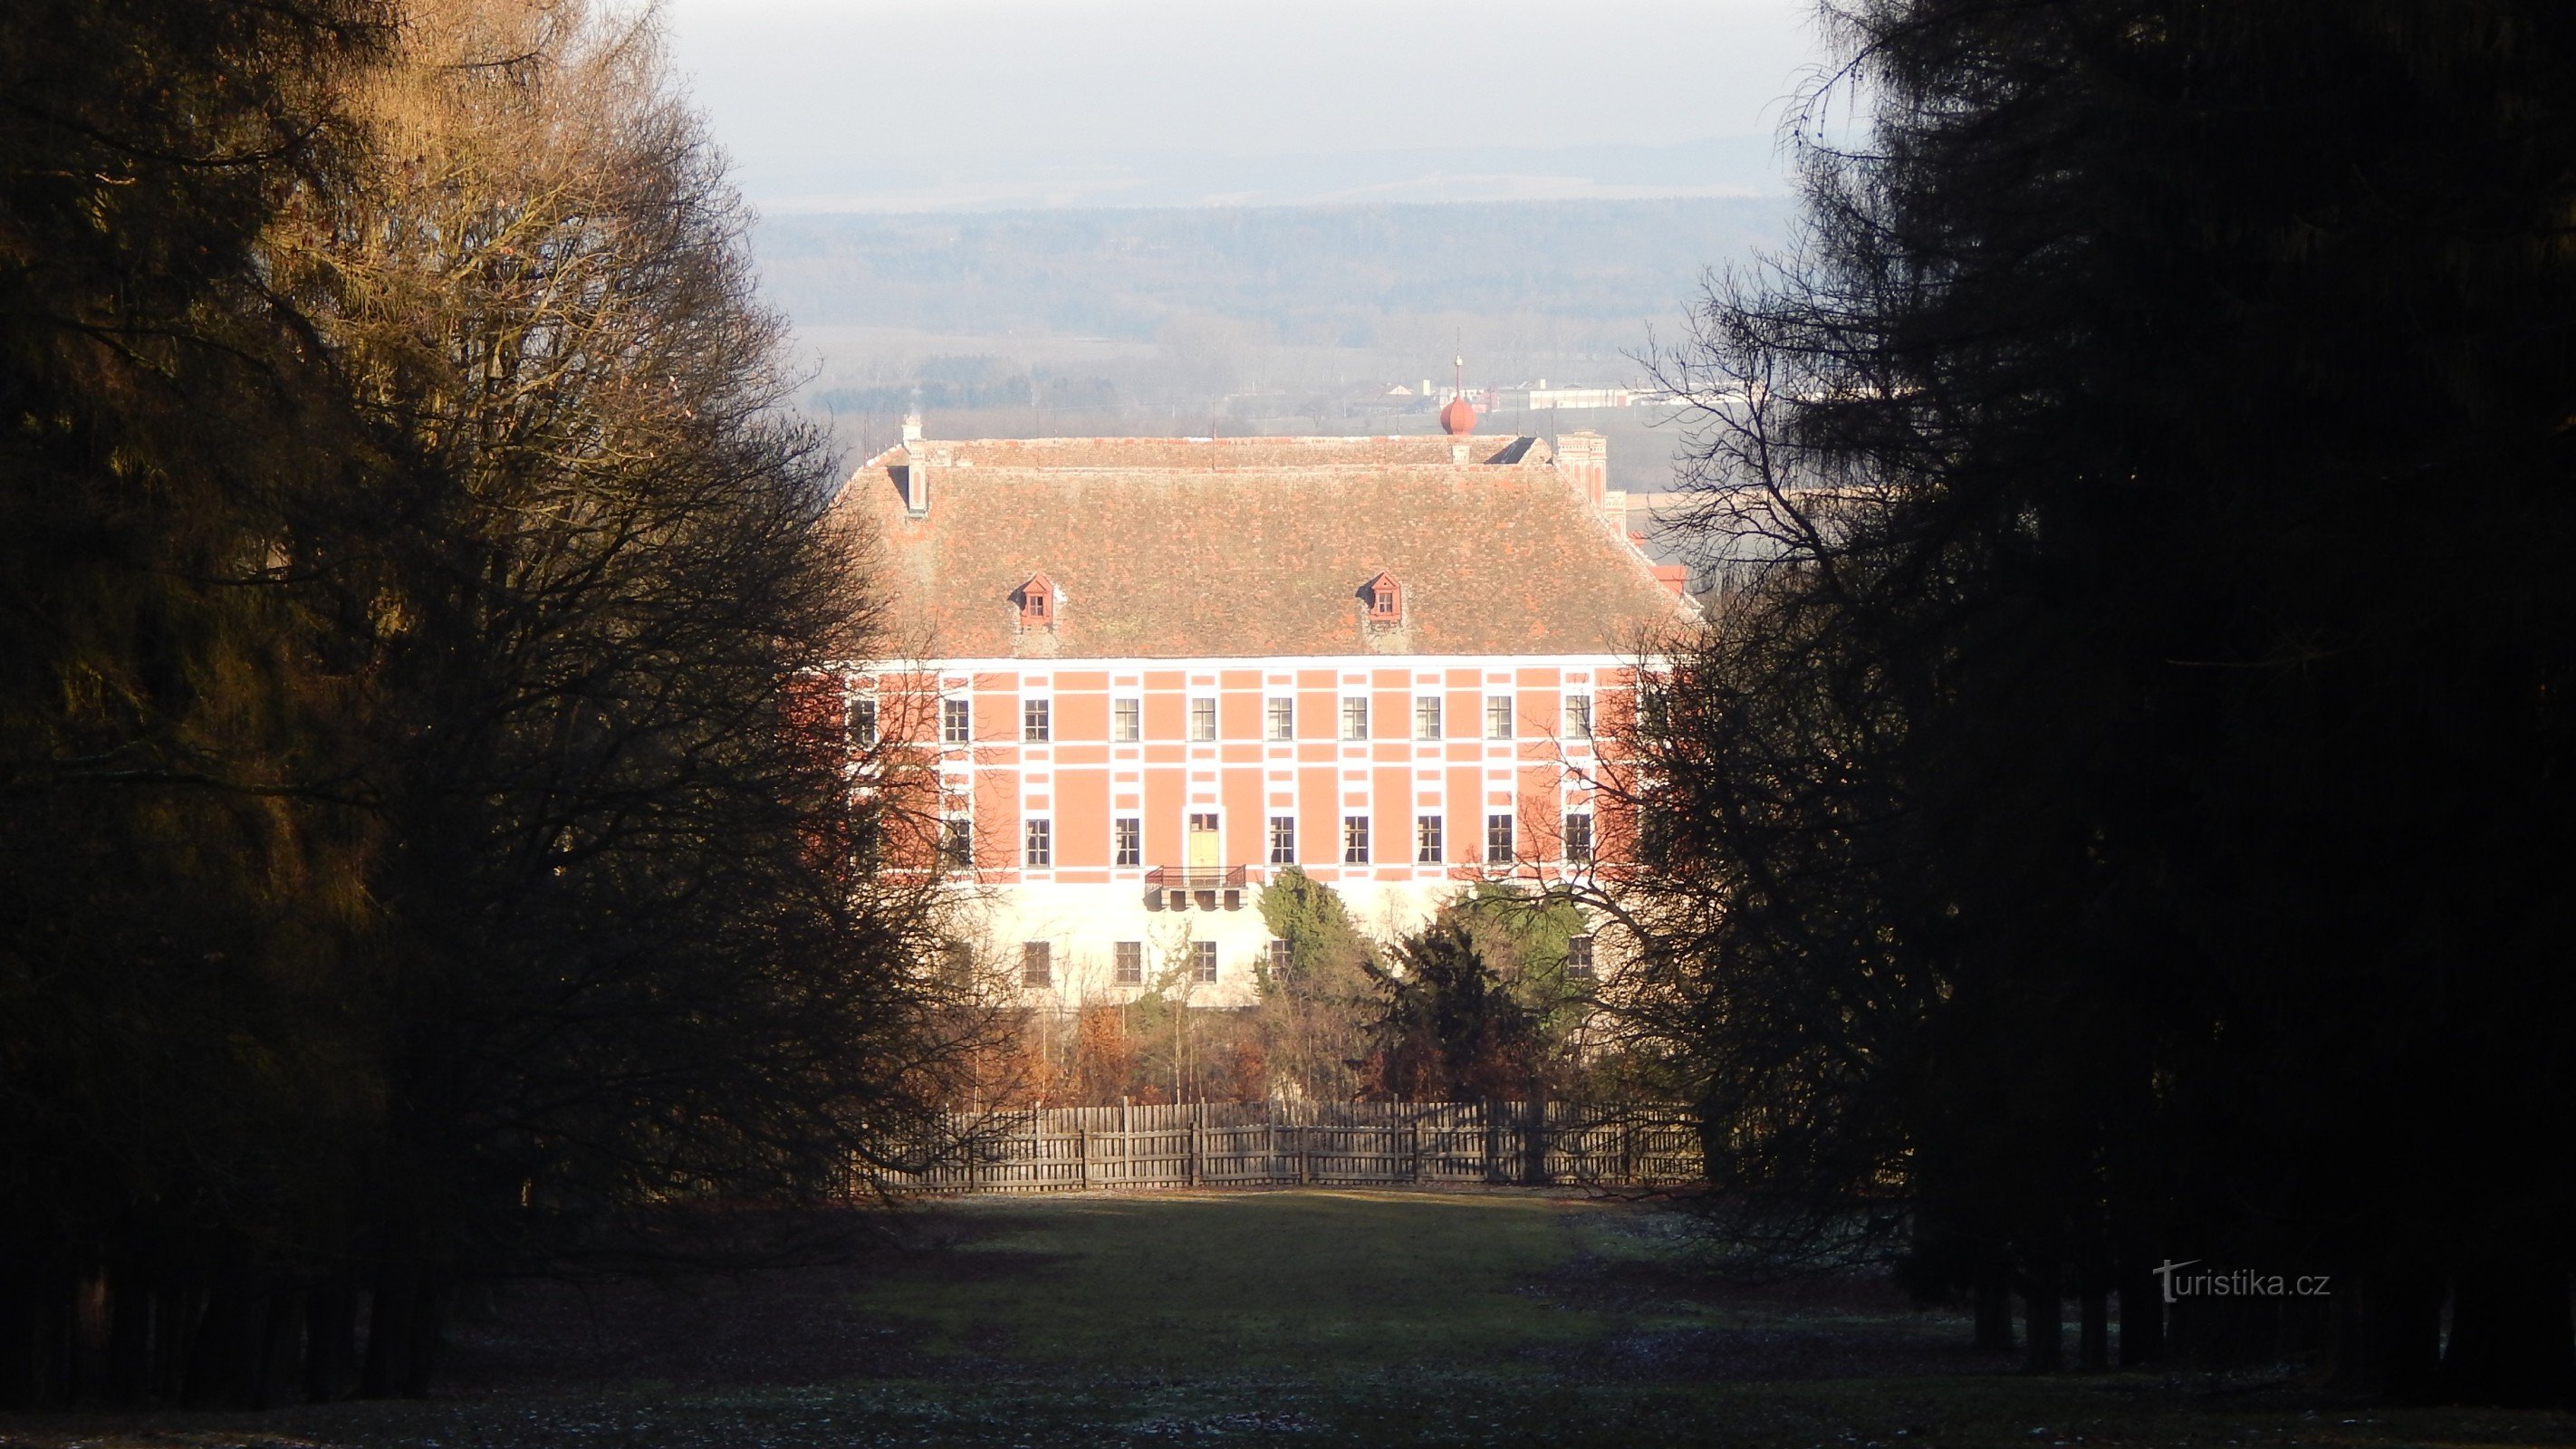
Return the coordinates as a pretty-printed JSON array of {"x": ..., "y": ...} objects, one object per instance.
[{"x": 1275, "y": 1144}]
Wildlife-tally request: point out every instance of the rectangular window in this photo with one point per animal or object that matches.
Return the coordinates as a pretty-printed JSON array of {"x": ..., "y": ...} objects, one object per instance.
[
  {"x": 1202, "y": 719},
  {"x": 1037, "y": 843},
  {"x": 1498, "y": 839},
  {"x": 1426, "y": 718},
  {"x": 1203, "y": 961},
  {"x": 863, "y": 721},
  {"x": 1037, "y": 720},
  {"x": 1355, "y": 840},
  {"x": 1127, "y": 720},
  {"x": 1283, "y": 840},
  {"x": 1355, "y": 718},
  {"x": 1279, "y": 718},
  {"x": 957, "y": 843},
  {"x": 1427, "y": 845},
  {"x": 1037, "y": 963},
  {"x": 956, "y": 722},
  {"x": 1498, "y": 716},
  {"x": 1578, "y": 957},
  {"x": 1127, "y": 840},
  {"x": 1578, "y": 716},
  {"x": 1578, "y": 836},
  {"x": 1127, "y": 963},
  {"x": 1282, "y": 959}
]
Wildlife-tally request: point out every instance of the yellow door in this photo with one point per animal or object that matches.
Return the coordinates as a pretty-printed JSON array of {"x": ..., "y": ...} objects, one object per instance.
[{"x": 1203, "y": 853}]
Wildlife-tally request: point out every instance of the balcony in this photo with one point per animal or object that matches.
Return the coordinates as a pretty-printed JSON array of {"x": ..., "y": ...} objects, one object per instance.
[{"x": 1175, "y": 887}]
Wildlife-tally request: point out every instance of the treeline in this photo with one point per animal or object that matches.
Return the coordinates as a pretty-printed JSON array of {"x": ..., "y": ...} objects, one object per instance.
[
  {"x": 1584, "y": 274},
  {"x": 1488, "y": 1000},
  {"x": 416, "y": 867},
  {"x": 2126, "y": 825}
]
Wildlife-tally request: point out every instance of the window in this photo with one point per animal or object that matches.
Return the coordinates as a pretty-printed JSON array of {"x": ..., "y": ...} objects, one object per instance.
[
  {"x": 957, "y": 843},
  {"x": 1037, "y": 843},
  {"x": 1203, "y": 961},
  {"x": 1386, "y": 600},
  {"x": 957, "y": 964},
  {"x": 1283, "y": 840},
  {"x": 1578, "y": 957},
  {"x": 1426, "y": 718},
  {"x": 1037, "y": 603},
  {"x": 1355, "y": 718},
  {"x": 1498, "y": 839},
  {"x": 1037, "y": 963},
  {"x": 1578, "y": 836},
  {"x": 1498, "y": 716},
  {"x": 1578, "y": 716},
  {"x": 1355, "y": 840},
  {"x": 1203, "y": 719},
  {"x": 862, "y": 719},
  {"x": 1127, "y": 720},
  {"x": 1426, "y": 840},
  {"x": 1127, "y": 963},
  {"x": 1036, "y": 720},
  {"x": 956, "y": 721},
  {"x": 1127, "y": 841},
  {"x": 1279, "y": 718},
  {"x": 1282, "y": 959}
]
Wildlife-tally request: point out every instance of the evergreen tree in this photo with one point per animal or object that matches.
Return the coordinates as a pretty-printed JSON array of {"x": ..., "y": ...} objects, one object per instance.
[{"x": 2112, "y": 828}]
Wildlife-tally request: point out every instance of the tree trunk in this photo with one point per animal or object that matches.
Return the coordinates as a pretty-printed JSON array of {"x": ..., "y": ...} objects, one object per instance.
[
  {"x": 131, "y": 1312},
  {"x": 389, "y": 1324},
  {"x": 2044, "y": 1313},
  {"x": 2512, "y": 1341},
  {"x": 223, "y": 1362},
  {"x": 2142, "y": 1314},
  {"x": 35, "y": 1334},
  {"x": 2388, "y": 1334},
  {"x": 330, "y": 1338},
  {"x": 1993, "y": 1293},
  {"x": 281, "y": 1349},
  {"x": 2093, "y": 1339}
]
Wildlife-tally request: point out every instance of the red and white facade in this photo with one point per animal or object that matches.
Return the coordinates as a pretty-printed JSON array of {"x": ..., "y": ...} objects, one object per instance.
[{"x": 1118, "y": 812}]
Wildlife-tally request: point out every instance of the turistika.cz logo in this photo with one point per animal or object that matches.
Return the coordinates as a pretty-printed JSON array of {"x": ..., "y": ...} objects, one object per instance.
[{"x": 2238, "y": 1283}]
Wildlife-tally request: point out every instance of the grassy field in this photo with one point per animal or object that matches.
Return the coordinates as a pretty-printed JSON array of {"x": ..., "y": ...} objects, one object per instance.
[{"x": 1312, "y": 1318}]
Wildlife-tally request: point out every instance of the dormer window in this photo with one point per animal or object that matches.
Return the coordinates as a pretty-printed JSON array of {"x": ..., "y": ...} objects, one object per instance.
[
  {"x": 1037, "y": 602},
  {"x": 1385, "y": 599}
]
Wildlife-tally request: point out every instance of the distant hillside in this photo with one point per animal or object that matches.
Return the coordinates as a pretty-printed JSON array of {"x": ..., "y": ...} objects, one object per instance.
[{"x": 1585, "y": 273}]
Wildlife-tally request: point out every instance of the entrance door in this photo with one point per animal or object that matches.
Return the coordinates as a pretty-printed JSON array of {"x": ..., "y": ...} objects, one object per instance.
[{"x": 1203, "y": 850}]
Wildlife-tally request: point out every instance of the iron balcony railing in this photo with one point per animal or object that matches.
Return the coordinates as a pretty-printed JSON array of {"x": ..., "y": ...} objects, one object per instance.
[{"x": 1201, "y": 878}]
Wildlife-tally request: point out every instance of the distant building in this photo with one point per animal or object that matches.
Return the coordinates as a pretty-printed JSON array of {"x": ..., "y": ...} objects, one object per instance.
[
  {"x": 1150, "y": 672},
  {"x": 1539, "y": 397}
]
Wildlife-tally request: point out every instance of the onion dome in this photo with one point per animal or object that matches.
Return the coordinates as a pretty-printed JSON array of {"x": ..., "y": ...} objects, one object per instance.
[{"x": 1459, "y": 418}]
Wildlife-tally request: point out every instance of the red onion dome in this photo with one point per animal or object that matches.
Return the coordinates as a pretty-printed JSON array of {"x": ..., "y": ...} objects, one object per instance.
[{"x": 1458, "y": 418}]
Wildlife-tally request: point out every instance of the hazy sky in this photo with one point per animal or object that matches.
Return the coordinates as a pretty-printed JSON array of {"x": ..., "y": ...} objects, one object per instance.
[{"x": 874, "y": 104}]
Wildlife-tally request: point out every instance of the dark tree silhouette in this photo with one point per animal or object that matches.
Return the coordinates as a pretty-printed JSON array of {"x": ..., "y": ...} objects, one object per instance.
[{"x": 2115, "y": 823}]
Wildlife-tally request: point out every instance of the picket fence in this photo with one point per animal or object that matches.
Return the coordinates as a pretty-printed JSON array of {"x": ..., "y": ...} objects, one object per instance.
[{"x": 1277, "y": 1144}]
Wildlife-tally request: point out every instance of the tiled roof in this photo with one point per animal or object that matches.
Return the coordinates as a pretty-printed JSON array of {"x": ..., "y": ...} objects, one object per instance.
[
  {"x": 1196, "y": 548},
  {"x": 1217, "y": 453}
]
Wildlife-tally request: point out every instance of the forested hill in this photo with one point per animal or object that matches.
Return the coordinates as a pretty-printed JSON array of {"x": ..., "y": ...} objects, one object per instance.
[{"x": 1319, "y": 275}]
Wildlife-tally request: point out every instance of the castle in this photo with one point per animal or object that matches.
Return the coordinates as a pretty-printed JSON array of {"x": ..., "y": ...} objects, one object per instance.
[{"x": 1151, "y": 672}]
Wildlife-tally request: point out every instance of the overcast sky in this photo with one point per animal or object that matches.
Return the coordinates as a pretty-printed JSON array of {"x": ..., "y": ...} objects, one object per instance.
[{"x": 894, "y": 104}]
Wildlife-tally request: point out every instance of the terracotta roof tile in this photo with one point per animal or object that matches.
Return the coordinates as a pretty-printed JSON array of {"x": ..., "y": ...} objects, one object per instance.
[{"x": 1191, "y": 548}]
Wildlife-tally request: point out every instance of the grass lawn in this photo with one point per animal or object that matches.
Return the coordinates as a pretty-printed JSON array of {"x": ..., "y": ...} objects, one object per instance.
[{"x": 1309, "y": 1318}]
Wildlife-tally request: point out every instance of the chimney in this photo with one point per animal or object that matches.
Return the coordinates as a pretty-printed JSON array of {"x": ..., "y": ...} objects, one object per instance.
[
  {"x": 918, "y": 464},
  {"x": 1583, "y": 460},
  {"x": 912, "y": 427}
]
